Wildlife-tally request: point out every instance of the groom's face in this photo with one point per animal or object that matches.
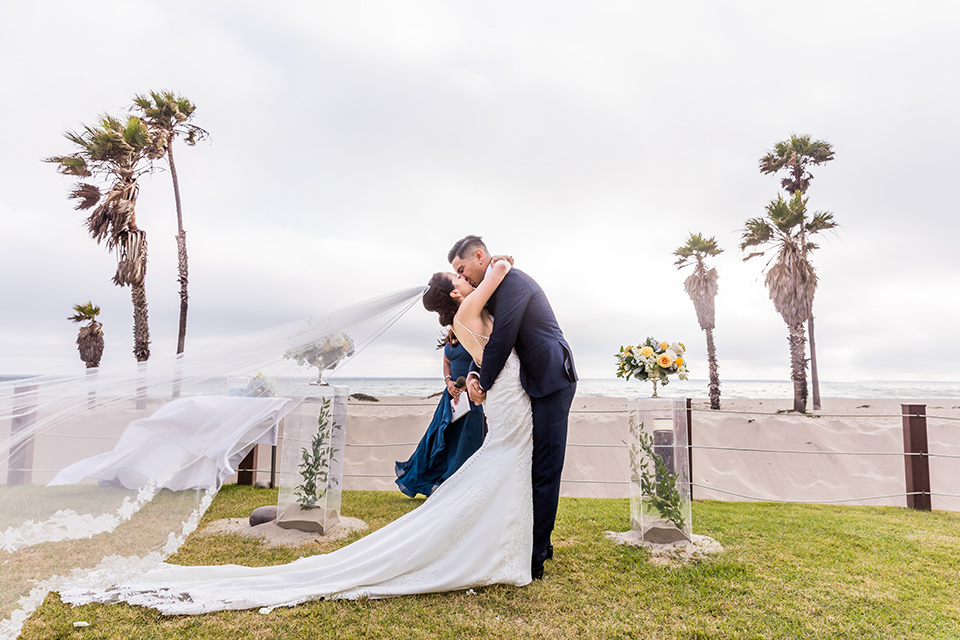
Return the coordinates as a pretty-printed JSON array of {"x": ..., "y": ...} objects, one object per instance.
[{"x": 471, "y": 268}]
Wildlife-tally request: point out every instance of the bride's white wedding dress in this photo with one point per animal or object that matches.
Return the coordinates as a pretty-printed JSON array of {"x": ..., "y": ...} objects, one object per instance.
[{"x": 476, "y": 529}]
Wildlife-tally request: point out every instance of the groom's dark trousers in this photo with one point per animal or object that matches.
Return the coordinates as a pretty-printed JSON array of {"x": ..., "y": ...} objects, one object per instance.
[{"x": 523, "y": 320}]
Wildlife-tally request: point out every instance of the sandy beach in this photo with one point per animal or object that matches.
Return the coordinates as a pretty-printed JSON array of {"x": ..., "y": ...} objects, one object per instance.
[{"x": 379, "y": 433}]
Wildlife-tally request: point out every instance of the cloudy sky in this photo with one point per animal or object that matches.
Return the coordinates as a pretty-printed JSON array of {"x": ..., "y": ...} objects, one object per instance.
[{"x": 352, "y": 143}]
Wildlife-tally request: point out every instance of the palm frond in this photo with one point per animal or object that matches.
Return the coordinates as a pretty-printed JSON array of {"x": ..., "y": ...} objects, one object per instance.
[
  {"x": 74, "y": 165},
  {"x": 787, "y": 215},
  {"x": 756, "y": 232},
  {"x": 115, "y": 214},
  {"x": 136, "y": 134},
  {"x": 194, "y": 134},
  {"x": 697, "y": 247},
  {"x": 821, "y": 221},
  {"x": 84, "y": 312},
  {"x": 87, "y": 194},
  {"x": 795, "y": 155}
]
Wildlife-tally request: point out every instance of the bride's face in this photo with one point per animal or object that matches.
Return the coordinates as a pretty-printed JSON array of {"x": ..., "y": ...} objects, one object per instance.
[{"x": 461, "y": 287}]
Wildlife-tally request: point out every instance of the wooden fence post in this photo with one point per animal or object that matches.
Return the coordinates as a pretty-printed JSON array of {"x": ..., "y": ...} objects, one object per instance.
[
  {"x": 690, "y": 444},
  {"x": 917, "y": 466},
  {"x": 247, "y": 469}
]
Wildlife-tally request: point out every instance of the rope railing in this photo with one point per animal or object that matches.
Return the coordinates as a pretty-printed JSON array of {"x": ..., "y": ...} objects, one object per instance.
[
  {"x": 601, "y": 445},
  {"x": 916, "y": 454},
  {"x": 830, "y": 452},
  {"x": 391, "y": 477},
  {"x": 364, "y": 404},
  {"x": 804, "y": 414},
  {"x": 381, "y": 444},
  {"x": 858, "y": 499}
]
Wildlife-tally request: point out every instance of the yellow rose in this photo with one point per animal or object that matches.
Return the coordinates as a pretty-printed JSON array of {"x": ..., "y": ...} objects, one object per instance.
[
  {"x": 664, "y": 361},
  {"x": 646, "y": 352},
  {"x": 664, "y": 346},
  {"x": 679, "y": 361}
]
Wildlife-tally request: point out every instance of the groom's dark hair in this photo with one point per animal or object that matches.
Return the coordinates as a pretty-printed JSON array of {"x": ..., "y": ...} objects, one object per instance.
[{"x": 462, "y": 248}]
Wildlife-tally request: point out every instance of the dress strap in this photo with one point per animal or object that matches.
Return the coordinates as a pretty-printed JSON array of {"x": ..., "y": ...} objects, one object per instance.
[{"x": 479, "y": 337}]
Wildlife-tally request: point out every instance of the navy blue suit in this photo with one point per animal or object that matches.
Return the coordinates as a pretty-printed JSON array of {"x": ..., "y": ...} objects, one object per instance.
[{"x": 523, "y": 320}]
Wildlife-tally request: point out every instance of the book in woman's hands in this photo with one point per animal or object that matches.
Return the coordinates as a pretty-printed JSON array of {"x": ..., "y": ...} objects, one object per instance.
[{"x": 461, "y": 406}]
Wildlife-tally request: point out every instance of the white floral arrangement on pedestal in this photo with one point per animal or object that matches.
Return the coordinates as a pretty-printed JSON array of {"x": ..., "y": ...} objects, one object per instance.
[
  {"x": 652, "y": 360},
  {"x": 258, "y": 386},
  {"x": 324, "y": 354}
]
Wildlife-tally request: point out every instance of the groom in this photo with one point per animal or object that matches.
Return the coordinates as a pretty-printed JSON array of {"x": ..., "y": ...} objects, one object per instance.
[{"x": 523, "y": 320}]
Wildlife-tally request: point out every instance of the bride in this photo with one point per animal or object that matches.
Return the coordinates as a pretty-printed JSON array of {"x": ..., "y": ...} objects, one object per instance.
[{"x": 476, "y": 529}]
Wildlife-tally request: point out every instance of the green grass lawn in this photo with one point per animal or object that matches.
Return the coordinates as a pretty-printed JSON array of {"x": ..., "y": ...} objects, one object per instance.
[{"x": 788, "y": 571}]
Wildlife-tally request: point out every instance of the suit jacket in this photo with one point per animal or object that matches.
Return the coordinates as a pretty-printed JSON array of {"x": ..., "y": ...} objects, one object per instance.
[{"x": 523, "y": 320}]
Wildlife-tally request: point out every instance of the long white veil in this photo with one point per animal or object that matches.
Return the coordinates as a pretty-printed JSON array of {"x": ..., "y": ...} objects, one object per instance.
[{"x": 107, "y": 473}]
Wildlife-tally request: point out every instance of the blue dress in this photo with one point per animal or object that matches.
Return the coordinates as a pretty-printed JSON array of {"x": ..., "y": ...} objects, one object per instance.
[{"x": 445, "y": 446}]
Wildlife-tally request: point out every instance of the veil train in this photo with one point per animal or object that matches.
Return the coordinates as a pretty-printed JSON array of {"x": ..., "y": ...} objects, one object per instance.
[{"x": 108, "y": 473}]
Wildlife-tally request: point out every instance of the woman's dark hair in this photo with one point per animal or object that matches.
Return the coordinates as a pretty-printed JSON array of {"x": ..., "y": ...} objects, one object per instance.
[
  {"x": 437, "y": 298},
  {"x": 449, "y": 338}
]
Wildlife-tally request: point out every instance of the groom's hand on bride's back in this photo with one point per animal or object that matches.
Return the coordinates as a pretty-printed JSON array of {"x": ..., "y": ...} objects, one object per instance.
[{"x": 477, "y": 394}]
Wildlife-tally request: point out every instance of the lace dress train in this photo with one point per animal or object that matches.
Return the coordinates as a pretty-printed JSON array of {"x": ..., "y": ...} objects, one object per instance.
[{"x": 476, "y": 529}]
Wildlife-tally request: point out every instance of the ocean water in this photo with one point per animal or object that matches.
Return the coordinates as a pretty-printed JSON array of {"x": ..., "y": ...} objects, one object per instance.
[{"x": 619, "y": 388}]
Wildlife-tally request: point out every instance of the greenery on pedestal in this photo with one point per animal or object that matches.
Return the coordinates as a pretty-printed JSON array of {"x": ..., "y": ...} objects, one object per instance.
[
  {"x": 657, "y": 487},
  {"x": 315, "y": 461}
]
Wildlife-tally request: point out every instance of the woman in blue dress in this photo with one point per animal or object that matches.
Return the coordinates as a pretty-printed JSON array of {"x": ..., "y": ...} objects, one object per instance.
[{"x": 445, "y": 445}]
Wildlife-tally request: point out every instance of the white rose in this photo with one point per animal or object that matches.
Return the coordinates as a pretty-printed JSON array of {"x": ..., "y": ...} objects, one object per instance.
[{"x": 676, "y": 348}]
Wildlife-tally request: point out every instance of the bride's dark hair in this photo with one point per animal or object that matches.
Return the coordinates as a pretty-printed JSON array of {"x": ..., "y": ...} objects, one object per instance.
[{"x": 437, "y": 298}]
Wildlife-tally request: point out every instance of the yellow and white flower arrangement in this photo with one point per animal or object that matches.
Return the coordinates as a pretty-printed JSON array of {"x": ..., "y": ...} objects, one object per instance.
[{"x": 652, "y": 360}]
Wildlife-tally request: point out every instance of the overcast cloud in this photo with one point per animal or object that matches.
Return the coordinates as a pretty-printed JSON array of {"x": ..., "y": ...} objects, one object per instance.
[{"x": 352, "y": 143}]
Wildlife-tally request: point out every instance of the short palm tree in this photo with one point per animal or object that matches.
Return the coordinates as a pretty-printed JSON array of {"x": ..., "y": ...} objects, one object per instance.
[
  {"x": 168, "y": 116},
  {"x": 791, "y": 280},
  {"x": 795, "y": 155},
  {"x": 118, "y": 152},
  {"x": 90, "y": 337},
  {"x": 701, "y": 286}
]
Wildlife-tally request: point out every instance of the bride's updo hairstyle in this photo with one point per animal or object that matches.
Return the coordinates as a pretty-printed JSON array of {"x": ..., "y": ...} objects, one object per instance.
[{"x": 437, "y": 298}]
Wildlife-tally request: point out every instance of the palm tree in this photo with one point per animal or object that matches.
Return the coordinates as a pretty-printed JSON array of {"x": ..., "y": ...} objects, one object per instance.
[
  {"x": 168, "y": 116},
  {"x": 90, "y": 337},
  {"x": 119, "y": 152},
  {"x": 701, "y": 286},
  {"x": 795, "y": 155},
  {"x": 791, "y": 280}
]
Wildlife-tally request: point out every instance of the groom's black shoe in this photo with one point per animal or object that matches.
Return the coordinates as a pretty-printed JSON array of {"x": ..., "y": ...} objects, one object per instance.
[
  {"x": 549, "y": 552},
  {"x": 536, "y": 572}
]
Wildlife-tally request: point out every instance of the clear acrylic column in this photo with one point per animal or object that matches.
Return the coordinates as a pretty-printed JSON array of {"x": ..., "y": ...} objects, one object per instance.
[
  {"x": 660, "y": 470},
  {"x": 310, "y": 478}
]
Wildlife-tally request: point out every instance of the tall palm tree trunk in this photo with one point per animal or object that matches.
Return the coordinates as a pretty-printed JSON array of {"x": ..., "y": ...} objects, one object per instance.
[
  {"x": 141, "y": 340},
  {"x": 798, "y": 366},
  {"x": 714, "y": 371},
  {"x": 814, "y": 378},
  {"x": 141, "y": 330},
  {"x": 181, "y": 252}
]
